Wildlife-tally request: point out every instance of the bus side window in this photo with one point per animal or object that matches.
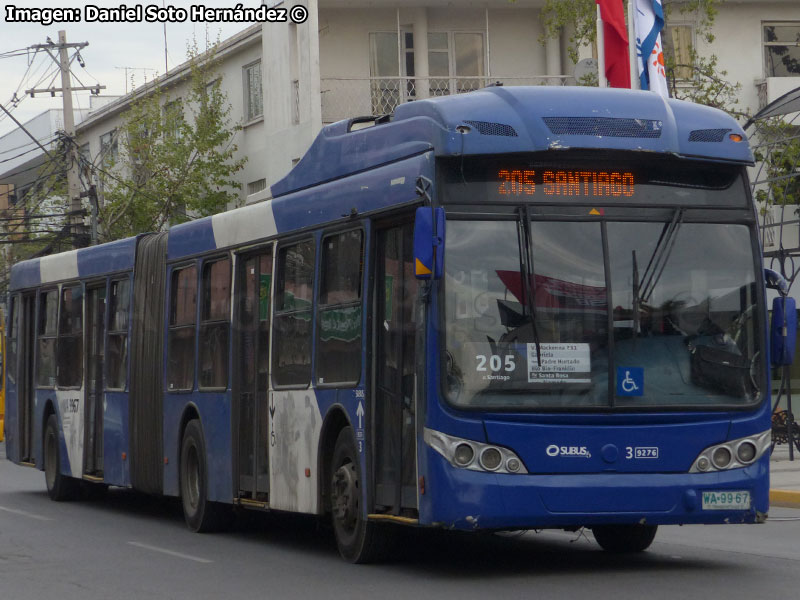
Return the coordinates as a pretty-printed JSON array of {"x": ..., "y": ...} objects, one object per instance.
[
  {"x": 69, "y": 367},
  {"x": 215, "y": 324},
  {"x": 117, "y": 352},
  {"x": 46, "y": 330},
  {"x": 182, "y": 318},
  {"x": 11, "y": 342},
  {"x": 291, "y": 352},
  {"x": 339, "y": 330}
]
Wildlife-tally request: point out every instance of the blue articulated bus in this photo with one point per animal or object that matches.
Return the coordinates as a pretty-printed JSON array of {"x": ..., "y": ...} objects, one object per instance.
[{"x": 510, "y": 309}]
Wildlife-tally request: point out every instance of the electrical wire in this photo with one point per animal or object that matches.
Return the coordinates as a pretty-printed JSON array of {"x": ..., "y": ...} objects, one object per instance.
[
  {"x": 24, "y": 76},
  {"x": 43, "y": 142},
  {"x": 15, "y": 157}
]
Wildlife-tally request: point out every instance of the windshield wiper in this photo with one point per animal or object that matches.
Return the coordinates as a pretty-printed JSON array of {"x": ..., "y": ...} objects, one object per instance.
[
  {"x": 660, "y": 256},
  {"x": 528, "y": 275}
]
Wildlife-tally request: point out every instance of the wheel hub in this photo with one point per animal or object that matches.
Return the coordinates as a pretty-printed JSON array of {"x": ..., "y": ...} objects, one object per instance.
[{"x": 345, "y": 496}]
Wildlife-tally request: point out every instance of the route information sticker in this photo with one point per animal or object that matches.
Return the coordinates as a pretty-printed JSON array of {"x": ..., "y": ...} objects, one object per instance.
[{"x": 560, "y": 363}]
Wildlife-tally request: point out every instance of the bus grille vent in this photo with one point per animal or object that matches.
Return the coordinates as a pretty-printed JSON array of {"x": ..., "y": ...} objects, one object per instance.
[
  {"x": 708, "y": 135},
  {"x": 604, "y": 126},
  {"x": 489, "y": 128}
]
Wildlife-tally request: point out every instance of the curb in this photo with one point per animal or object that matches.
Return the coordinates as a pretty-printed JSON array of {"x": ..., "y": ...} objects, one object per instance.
[{"x": 784, "y": 498}]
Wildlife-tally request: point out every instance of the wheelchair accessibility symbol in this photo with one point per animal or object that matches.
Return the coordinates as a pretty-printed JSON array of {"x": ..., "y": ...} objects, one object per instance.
[{"x": 630, "y": 381}]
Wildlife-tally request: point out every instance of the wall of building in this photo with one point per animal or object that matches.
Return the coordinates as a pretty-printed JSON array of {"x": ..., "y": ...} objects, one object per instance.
[
  {"x": 514, "y": 48},
  {"x": 291, "y": 73},
  {"x": 738, "y": 43}
]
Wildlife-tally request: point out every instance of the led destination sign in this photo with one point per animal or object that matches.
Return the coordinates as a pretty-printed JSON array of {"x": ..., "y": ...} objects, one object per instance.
[
  {"x": 549, "y": 182},
  {"x": 583, "y": 179}
]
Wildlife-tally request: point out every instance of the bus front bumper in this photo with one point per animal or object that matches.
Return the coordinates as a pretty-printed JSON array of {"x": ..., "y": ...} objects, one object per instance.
[{"x": 469, "y": 500}]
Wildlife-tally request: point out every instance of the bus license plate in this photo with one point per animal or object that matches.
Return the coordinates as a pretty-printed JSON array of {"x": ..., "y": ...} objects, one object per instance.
[{"x": 737, "y": 500}]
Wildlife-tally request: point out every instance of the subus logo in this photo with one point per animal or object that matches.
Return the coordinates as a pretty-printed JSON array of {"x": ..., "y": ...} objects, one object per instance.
[{"x": 569, "y": 451}]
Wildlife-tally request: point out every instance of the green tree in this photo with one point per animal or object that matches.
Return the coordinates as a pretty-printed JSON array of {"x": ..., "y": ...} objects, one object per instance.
[
  {"x": 779, "y": 155},
  {"x": 176, "y": 157}
]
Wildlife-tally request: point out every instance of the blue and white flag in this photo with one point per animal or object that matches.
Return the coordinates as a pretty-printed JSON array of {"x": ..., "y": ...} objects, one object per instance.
[{"x": 649, "y": 21}]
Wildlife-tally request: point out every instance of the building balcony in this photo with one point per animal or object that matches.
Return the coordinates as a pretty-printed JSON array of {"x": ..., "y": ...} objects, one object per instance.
[{"x": 345, "y": 97}]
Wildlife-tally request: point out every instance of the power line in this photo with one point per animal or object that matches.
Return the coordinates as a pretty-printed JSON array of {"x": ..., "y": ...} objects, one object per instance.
[
  {"x": 25, "y": 145},
  {"x": 21, "y": 171},
  {"x": 24, "y": 77},
  {"x": 5, "y": 160},
  {"x": 28, "y": 133},
  {"x": 44, "y": 216},
  {"x": 17, "y": 52}
]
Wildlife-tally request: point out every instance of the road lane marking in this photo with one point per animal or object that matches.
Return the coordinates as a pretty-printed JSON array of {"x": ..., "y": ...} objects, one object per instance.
[
  {"x": 25, "y": 514},
  {"x": 171, "y": 552}
]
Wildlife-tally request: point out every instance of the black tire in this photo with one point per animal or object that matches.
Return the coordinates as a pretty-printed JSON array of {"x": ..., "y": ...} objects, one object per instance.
[
  {"x": 624, "y": 538},
  {"x": 59, "y": 487},
  {"x": 201, "y": 514},
  {"x": 359, "y": 540}
]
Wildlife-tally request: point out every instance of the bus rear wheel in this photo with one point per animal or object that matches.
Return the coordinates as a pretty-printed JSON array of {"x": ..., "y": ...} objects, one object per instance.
[
  {"x": 624, "y": 538},
  {"x": 359, "y": 540},
  {"x": 59, "y": 487},
  {"x": 200, "y": 513}
]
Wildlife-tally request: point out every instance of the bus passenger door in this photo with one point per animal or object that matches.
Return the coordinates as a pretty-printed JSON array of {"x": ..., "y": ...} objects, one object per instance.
[
  {"x": 95, "y": 358},
  {"x": 25, "y": 386},
  {"x": 253, "y": 289},
  {"x": 395, "y": 401}
]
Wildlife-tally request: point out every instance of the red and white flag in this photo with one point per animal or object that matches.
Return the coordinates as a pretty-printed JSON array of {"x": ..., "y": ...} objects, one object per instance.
[{"x": 615, "y": 42}]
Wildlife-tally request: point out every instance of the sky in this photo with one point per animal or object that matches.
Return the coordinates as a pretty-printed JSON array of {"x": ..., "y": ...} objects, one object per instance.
[{"x": 139, "y": 46}]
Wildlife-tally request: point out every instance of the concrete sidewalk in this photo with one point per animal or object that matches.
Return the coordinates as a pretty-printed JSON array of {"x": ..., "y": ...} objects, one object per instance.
[{"x": 784, "y": 480}]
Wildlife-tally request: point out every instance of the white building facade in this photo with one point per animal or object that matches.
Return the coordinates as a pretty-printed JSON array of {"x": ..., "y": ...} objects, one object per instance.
[{"x": 351, "y": 58}]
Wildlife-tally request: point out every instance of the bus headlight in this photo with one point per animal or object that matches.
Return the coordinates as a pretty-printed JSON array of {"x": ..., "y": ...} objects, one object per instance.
[
  {"x": 463, "y": 454},
  {"x": 721, "y": 457},
  {"x": 475, "y": 456},
  {"x": 746, "y": 452},
  {"x": 491, "y": 458},
  {"x": 733, "y": 454}
]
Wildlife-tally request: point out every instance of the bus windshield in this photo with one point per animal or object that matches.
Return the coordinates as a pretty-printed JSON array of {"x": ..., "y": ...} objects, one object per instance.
[{"x": 589, "y": 314}]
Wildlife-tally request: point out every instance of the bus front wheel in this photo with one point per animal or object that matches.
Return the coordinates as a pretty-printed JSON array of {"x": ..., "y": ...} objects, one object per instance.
[
  {"x": 359, "y": 540},
  {"x": 59, "y": 487},
  {"x": 201, "y": 514},
  {"x": 624, "y": 538}
]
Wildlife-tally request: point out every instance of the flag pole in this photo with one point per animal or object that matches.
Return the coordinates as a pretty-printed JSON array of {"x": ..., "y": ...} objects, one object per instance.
[
  {"x": 632, "y": 54},
  {"x": 601, "y": 53}
]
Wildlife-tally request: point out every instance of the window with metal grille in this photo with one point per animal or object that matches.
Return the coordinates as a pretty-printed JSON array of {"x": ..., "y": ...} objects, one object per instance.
[
  {"x": 256, "y": 186},
  {"x": 781, "y": 49},
  {"x": 253, "y": 93}
]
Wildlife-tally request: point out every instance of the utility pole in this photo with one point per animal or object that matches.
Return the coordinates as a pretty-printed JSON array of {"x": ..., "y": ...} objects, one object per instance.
[{"x": 73, "y": 177}]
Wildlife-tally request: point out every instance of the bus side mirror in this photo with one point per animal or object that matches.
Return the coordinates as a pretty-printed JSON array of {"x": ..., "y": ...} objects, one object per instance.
[
  {"x": 783, "y": 331},
  {"x": 429, "y": 243},
  {"x": 776, "y": 281}
]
